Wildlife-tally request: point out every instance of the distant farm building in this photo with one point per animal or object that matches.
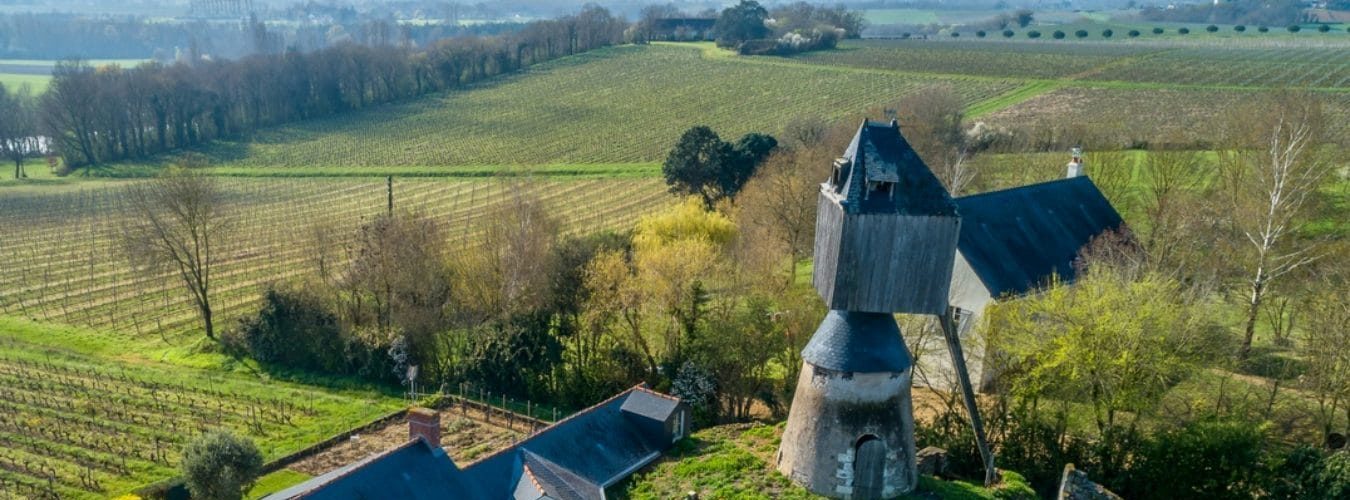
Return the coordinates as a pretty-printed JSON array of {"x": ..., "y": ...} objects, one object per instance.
[
  {"x": 683, "y": 29},
  {"x": 573, "y": 459}
]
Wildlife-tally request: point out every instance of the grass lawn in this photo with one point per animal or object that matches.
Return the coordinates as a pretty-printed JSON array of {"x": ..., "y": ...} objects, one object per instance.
[
  {"x": 733, "y": 461},
  {"x": 13, "y": 81},
  {"x": 276, "y": 481}
]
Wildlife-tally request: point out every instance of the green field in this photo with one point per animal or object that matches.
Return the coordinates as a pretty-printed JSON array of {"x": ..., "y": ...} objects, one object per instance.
[
  {"x": 1270, "y": 65},
  {"x": 592, "y": 127},
  {"x": 13, "y": 81},
  {"x": 92, "y": 414},
  {"x": 609, "y": 111},
  {"x": 1021, "y": 59},
  {"x": 65, "y": 266},
  {"x": 104, "y": 407},
  {"x": 618, "y": 105},
  {"x": 37, "y": 72}
]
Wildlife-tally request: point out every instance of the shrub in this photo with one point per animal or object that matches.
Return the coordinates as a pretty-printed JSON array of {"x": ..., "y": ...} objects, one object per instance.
[
  {"x": 1157, "y": 31},
  {"x": 1081, "y": 33},
  {"x": 1033, "y": 34},
  {"x": 294, "y": 329},
  {"x": 955, "y": 34},
  {"x": 1333, "y": 481},
  {"x": 980, "y": 34},
  {"x": 1239, "y": 28},
  {"x": 1183, "y": 31},
  {"x": 1107, "y": 33},
  {"x": 1323, "y": 28},
  {"x": 1263, "y": 29},
  {"x": 1204, "y": 459},
  {"x": 1212, "y": 28},
  {"x": 1059, "y": 35},
  {"x": 1133, "y": 33},
  {"x": 1309, "y": 474},
  {"x": 1008, "y": 33},
  {"x": 1294, "y": 28},
  {"x": 220, "y": 466}
]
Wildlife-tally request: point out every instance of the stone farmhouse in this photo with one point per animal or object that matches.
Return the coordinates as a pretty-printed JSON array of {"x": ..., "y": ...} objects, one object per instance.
[{"x": 1013, "y": 242}]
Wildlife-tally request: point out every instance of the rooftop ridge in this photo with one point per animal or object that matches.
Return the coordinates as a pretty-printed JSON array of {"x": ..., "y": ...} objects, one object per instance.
[
  {"x": 643, "y": 388},
  {"x": 1026, "y": 186},
  {"x": 529, "y": 473},
  {"x": 573, "y": 416}
]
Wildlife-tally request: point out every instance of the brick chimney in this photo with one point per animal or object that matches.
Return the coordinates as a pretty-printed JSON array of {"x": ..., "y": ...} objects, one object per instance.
[{"x": 426, "y": 424}]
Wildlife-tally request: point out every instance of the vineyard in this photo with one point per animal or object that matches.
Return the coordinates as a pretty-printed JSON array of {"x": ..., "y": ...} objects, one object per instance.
[
  {"x": 1125, "y": 116},
  {"x": 1021, "y": 59},
  {"x": 63, "y": 261},
  {"x": 616, "y": 105},
  {"x": 79, "y": 426},
  {"x": 1318, "y": 67},
  {"x": 1168, "y": 64}
]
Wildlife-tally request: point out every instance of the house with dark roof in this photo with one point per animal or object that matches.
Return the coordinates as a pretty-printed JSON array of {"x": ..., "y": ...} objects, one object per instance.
[
  {"x": 576, "y": 458},
  {"x": 1013, "y": 242}
]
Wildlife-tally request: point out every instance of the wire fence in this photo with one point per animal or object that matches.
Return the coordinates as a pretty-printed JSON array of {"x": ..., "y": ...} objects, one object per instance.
[{"x": 495, "y": 408}]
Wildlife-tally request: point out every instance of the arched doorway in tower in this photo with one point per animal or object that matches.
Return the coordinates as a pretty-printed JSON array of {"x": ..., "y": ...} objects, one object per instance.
[{"x": 869, "y": 468}]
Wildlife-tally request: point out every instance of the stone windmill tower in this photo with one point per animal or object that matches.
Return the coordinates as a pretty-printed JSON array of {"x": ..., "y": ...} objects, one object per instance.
[{"x": 886, "y": 233}]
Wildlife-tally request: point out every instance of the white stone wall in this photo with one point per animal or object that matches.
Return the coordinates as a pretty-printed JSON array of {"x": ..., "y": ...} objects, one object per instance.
[{"x": 831, "y": 412}]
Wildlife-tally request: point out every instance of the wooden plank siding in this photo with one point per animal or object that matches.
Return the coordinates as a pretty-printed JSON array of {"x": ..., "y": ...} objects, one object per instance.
[{"x": 883, "y": 262}]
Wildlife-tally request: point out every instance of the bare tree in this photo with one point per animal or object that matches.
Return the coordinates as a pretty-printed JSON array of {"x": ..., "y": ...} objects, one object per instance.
[
  {"x": 780, "y": 201},
  {"x": 1322, "y": 346},
  {"x": 1113, "y": 173},
  {"x": 1270, "y": 174},
  {"x": 177, "y": 221},
  {"x": 509, "y": 271},
  {"x": 933, "y": 119},
  {"x": 18, "y": 129},
  {"x": 1169, "y": 177}
]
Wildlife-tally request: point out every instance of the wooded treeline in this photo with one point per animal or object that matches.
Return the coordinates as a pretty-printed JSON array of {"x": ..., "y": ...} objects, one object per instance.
[
  {"x": 56, "y": 36},
  {"x": 96, "y": 115}
]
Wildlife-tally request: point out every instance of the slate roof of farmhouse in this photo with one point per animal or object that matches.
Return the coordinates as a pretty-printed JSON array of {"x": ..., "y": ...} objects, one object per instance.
[
  {"x": 582, "y": 454},
  {"x": 852, "y": 341},
  {"x": 416, "y": 470},
  {"x": 1017, "y": 239},
  {"x": 573, "y": 459},
  {"x": 880, "y": 153}
]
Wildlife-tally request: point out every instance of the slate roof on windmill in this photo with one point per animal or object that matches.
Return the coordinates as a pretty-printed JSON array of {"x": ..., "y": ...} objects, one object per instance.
[
  {"x": 879, "y": 154},
  {"x": 1017, "y": 239},
  {"x": 849, "y": 341}
]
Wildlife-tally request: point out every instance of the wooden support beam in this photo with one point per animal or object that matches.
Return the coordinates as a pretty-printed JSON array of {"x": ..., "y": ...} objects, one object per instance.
[{"x": 948, "y": 321}]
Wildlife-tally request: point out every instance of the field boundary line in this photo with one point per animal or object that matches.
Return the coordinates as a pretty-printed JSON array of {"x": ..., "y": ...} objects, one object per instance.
[
  {"x": 1120, "y": 61},
  {"x": 1011, "y": 98}
]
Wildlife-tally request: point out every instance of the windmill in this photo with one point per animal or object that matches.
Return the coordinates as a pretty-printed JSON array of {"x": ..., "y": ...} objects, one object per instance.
[{"x": 886, "y": 234}]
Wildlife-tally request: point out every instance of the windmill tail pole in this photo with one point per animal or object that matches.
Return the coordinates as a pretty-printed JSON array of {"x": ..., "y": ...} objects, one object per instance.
[{"x": 948, "y": 322}]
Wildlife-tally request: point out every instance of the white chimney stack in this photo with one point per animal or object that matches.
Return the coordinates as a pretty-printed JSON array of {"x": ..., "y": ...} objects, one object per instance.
[{"x": 1076, "y": 165}]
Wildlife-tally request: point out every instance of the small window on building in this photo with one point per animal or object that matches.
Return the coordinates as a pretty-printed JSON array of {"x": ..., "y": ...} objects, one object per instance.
[{"x": 679, "y": 426}]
